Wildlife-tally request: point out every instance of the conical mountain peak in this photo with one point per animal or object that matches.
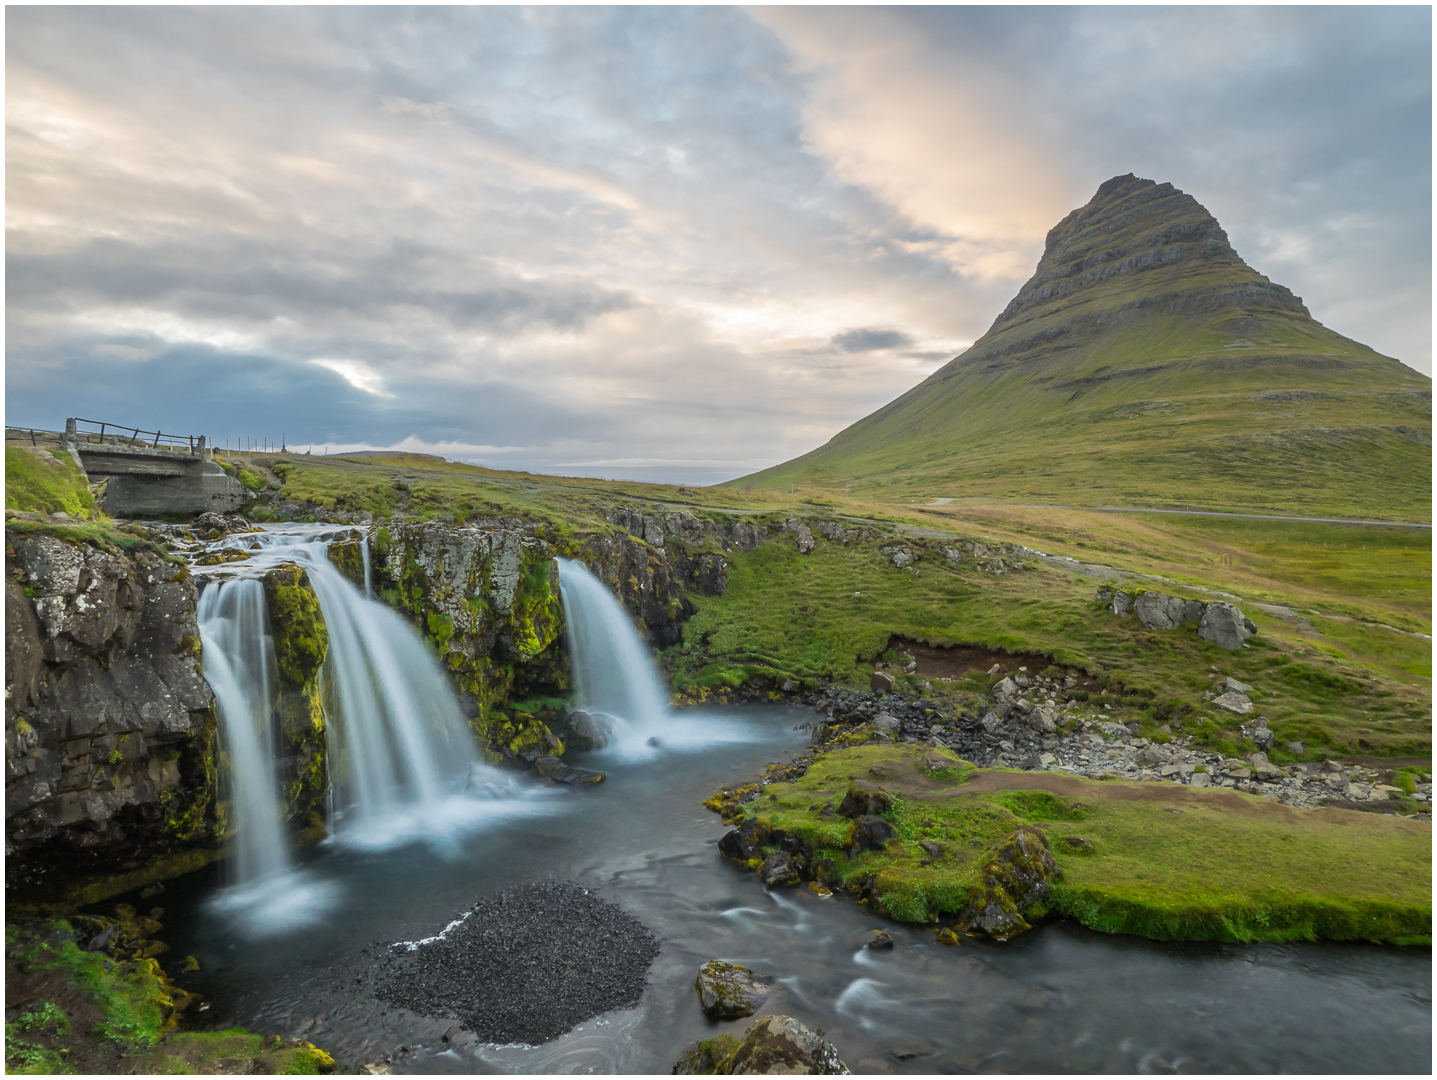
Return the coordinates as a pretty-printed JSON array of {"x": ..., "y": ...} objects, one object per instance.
[{"x": 1146, "y": 364}]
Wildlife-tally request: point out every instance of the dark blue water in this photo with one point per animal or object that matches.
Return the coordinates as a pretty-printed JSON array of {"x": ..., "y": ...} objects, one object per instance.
[{"x": 1059, "y": 1000}]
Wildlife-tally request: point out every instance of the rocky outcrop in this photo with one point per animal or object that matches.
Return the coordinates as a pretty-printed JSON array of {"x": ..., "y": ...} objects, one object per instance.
[
  {"x": 109, "y": 726},
  {"x": 301, "y": 642},
  {"x": 1216, "y": 621}
]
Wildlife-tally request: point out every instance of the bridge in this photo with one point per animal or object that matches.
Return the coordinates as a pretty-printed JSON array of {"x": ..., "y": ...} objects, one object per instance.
[{"x": 150, "y": 473}]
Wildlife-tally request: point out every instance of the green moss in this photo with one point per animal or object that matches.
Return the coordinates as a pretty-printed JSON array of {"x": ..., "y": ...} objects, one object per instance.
[
  {"x": 301, "y": 642},
  {"x": 47, "y": 485},
  {"x": 1159, "y": 860},
  {"x": 251, "y": 480}
]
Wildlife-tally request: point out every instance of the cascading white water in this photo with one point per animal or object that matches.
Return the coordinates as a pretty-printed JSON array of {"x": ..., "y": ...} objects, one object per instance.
[
  {"x": 616, "y": 680},
  {"x": 239, "y": 661},
  {"x": 613, "y": 672},
  {"x": 402, "y": 761}
]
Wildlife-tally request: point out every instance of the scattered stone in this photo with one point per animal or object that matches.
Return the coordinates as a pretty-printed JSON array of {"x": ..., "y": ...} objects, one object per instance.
[
  {"x": 933, "y": 848},
  {"x": 881, "y": 680},
  {"x": 1240, "y": 687},
  {"x": 1200, "y": 780},
  {"x": 805, "y": 540},
  {"x": 729, "y": 991},
  {"x": 881, "y": 939},
  {"x": 452, "y": 1032},
  {"x": 781, "y": 1045},
  {"x": 946, "y": 935},
  {"x": 1121, "y": 602}
]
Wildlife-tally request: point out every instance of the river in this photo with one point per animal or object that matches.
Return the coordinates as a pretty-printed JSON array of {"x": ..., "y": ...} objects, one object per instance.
[{"x": 1061, "y": 999}]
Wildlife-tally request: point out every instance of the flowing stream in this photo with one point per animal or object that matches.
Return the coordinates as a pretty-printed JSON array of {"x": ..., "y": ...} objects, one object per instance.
[{"x": 1061, "y": 999}]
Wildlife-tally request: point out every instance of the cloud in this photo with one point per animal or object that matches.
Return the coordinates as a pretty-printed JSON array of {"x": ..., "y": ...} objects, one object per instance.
[
  {"x": 649, "y": 240},
  {"x": 870, "y": 339}
]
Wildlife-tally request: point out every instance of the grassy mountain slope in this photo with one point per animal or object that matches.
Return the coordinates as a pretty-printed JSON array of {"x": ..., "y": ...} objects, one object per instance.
[{"x": 1145, "y": 364}]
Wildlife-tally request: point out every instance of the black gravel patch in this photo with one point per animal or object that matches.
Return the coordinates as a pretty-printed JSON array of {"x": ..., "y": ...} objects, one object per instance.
[{"x": 527, "y": 964}]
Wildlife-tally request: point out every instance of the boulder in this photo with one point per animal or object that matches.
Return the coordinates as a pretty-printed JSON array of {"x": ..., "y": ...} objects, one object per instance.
[
  {"x": 872, "y": 833},
  {"x": 1015, "y": 882},
  {"x": 990, "y": 722},
  {"x": 1006, "y": 687},
  {"x": 778, "y": 870},
  {"x": 587, "y": 731},
  {"x": 780, "y": 1045},
  {"x": 884, "y": 722},
  {"x": 933, "y": 848},
  {"x": 1158, "y": 611},
  {"x": 881, "y": 939},
  {"x": 1120, "y": 604},
  {"x": 745, "y": 842},
  {"x": 864, "y": 797},
  {"x": 805, "y": 540},
  {"x": 557, "y": 771},
  {"x": 880, "y": 680},
  {"x": 1042, "y": 719},
  {"x": 729, "y": 991},
  {"x": 1225, "y": 626},
  {"x": 1233, "y": 701},
  {"x": 1233, "y": 684}
]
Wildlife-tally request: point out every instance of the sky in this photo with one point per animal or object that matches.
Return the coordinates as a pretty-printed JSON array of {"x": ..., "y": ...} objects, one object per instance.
[{"x": 671, "y": 244}]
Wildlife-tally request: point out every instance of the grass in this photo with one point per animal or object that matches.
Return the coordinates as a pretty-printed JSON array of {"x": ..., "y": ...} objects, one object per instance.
[
  {"x": 829, "y": 614},
  {"x": 1159, "y": 860},
  {"x": 52, "y": 484},
  {"x": 126, "y": 1008}
]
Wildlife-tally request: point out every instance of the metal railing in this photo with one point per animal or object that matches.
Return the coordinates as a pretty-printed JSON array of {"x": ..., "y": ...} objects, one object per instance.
[{"x": 106, "y": 433}]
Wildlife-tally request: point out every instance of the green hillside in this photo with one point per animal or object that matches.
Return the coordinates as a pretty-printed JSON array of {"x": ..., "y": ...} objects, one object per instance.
[{"x": 1145, "y": 364}]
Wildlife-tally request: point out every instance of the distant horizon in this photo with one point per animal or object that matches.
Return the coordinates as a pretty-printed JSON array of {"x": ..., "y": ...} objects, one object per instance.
[{"x": 672, "y": 245}]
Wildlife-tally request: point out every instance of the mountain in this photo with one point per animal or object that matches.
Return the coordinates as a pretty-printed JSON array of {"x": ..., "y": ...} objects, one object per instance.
[{"x": 1145, "y": 364}]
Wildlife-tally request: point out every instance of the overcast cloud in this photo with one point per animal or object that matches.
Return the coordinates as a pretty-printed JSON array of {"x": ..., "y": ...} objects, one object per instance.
[{"x": 659, "y": 243}]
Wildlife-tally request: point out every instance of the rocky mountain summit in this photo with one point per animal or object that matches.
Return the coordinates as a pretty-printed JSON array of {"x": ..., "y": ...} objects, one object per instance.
[{"x": 1146, "y": 363}]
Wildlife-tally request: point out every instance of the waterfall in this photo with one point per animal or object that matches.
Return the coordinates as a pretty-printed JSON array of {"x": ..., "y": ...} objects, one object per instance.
[
  {"x": 403, "y": 763},
  {"x": 614, "y": 676},
  {"x": 239, "y": 662}
]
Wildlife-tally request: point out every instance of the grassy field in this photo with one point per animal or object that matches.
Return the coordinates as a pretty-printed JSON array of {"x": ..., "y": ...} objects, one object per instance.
[
  {"x": 1160, "y": 860},
  {"x": 1341, "y": 665}
]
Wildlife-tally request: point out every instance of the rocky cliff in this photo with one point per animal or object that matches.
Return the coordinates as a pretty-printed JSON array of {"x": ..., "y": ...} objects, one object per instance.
[{"x": 109, "y": 726}]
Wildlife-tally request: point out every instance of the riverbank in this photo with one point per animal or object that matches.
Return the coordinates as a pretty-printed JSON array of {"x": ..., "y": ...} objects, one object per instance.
[{"x": 1161, "y": 861}]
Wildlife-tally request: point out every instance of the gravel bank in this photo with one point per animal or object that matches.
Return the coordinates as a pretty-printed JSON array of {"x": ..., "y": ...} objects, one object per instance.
[{"x": 526, "y": 965}]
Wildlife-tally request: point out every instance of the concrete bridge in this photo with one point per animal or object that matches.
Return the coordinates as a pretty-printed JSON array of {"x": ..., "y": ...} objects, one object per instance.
[{"x": 149, "y": 473}]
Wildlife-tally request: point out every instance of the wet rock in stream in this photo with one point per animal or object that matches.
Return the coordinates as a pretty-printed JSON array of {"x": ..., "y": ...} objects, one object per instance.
[{"x": 526, "y": 965}]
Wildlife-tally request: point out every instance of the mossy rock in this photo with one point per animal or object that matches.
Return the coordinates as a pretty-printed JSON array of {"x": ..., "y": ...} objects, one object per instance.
[{"x": 301, "y": 640}]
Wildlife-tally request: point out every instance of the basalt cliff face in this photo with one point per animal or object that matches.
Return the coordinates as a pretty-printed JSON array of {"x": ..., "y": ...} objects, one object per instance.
[
  {"x": 1146, "y": 361},
  {"x": 109, "y": 726}
]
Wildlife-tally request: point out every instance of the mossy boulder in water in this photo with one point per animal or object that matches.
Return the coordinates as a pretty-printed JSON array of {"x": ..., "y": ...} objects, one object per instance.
[
  {"x": 781, "y": 1045},
  {"x": 708, "y": 1057},
  {"x": 729, "y": 991},
  {"x": 301, "y": 643}
]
